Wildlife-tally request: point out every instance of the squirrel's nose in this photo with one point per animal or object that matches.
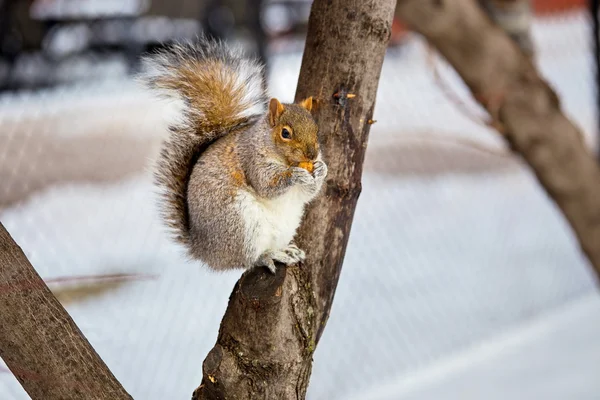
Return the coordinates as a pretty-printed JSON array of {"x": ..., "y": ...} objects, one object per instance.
[{"x": 311, "y": 152}]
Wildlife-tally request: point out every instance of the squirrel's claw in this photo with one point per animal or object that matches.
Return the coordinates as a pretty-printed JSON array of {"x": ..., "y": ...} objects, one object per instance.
[
  {"x": 271, "y": 266},
  {"x": 289, "y": 256},
  {"x": 266, "y": 260},
  {"x": 283, "y": 257},
  {"x": 320, "y": 170},
  {"x": 293, "y": 251}
]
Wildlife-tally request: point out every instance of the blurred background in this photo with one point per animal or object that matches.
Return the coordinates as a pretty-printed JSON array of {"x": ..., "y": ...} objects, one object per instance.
[{"x": 462, "y": 280}]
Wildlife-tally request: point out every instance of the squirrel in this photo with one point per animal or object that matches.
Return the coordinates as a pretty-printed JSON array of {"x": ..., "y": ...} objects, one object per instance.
[{"x": 237, "y": 168}]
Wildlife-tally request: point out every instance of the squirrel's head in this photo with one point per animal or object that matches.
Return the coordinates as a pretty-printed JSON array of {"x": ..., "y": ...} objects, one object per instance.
[{"x": 294, "y": 131}]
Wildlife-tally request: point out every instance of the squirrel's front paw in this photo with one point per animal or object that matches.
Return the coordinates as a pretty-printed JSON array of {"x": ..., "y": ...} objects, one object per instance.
[
  {"x": 301, "y": 176},
  {"x": 320, "y": 170}
]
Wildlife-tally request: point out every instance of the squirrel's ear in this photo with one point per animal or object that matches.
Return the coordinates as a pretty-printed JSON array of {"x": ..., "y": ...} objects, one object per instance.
[
  {"x": 307, "y": 103},
  {"x": 275, "y": 110}
]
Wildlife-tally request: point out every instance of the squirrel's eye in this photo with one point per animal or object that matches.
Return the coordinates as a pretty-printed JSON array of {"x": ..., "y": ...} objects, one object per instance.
[{"x": 286, "y": 134}]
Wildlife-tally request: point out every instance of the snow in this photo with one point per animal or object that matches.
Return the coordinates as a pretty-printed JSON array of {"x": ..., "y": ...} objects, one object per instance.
[
  {"x": 495, "y": 369},
  {"x": 461, "y": 280}
]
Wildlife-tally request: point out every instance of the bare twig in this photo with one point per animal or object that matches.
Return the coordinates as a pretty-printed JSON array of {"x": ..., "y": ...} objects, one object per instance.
[{"x": 458, "y": 141}]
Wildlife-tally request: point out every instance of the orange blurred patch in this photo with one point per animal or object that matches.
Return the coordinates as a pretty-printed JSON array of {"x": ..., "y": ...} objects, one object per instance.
[
  {"x": 545, "y": 7},
  {"x": 309, "y": 166}
]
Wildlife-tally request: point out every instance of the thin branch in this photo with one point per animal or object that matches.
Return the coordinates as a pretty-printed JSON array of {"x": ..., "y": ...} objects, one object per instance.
[
  {"x": 459, "y": 141},
  {"x": 450, "y": 95}
]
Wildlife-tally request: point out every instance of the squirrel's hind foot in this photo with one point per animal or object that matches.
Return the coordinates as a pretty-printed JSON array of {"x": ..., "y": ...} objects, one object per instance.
[
  {"x": 266, "y": 260},
  {"x": 289, "y": 256},
  {"x": 293, "y": 251}
]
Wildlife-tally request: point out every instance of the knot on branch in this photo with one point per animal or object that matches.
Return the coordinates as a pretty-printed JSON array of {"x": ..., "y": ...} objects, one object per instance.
[
  {"x": 342, "y": 95},
  {"x": 258, "y": 287},
  {"x": 343, "y": 190}
]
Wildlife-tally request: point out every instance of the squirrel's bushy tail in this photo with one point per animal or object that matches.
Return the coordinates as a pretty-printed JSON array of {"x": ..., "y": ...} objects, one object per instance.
[{"x": 220, "y": 90}]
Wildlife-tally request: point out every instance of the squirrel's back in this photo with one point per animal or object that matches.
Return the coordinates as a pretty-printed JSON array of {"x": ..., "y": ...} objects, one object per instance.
[{"x": 221, "y": 91}]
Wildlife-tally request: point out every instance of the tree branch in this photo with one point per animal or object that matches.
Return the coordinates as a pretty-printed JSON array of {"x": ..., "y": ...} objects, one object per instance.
[
  {"x": 39, "y": 341},
  {"x": 514, "y": 17},
  {"x": 526, "y": 110},
  {"x": 273, "y": 322}
]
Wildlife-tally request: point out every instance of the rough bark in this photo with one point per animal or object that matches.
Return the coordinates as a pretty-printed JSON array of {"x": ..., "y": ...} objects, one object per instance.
[
  {"x": 39, "y": 341},
  {"x": 514, "y": 17},
  {"x": 341, "y": 65},
  {"x": 524, "y": 107},
  {"x": 273, "y": 322}
]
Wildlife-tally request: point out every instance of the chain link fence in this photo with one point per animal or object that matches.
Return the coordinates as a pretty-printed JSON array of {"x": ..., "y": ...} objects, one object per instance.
[{"x": 462, "y": 280}]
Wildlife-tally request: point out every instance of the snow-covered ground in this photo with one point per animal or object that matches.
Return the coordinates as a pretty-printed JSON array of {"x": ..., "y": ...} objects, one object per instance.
[{"x": 462, "y": 280}]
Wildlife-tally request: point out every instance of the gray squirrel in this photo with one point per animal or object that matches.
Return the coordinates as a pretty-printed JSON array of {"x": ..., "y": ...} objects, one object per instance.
[{"x": 237, "y": 169}]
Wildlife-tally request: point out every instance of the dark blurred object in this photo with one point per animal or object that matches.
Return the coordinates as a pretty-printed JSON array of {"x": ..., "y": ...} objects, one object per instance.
[
  {"x": 18, "y": 32},
  {"x": 239, "y": 21},
  {"x": 49, "y": 42}
]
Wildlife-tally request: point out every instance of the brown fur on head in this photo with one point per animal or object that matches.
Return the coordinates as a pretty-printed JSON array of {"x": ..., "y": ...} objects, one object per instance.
[{"x": 294, "y": 131}]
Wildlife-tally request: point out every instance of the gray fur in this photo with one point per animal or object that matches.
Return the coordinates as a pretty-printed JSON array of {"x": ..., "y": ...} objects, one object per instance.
[
  {"x": 217, "y": 175},
  {"x": 187, "y": 140},
  {"x": 217, "y": 235}
]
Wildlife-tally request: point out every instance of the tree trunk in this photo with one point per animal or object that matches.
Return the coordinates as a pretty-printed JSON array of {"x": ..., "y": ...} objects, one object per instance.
[
  {"x": 273, "y": 322},
  {"x": 341, "y": 65},
  {"x": 39, "y": 341},
  {"x": 525, "y": 109}
]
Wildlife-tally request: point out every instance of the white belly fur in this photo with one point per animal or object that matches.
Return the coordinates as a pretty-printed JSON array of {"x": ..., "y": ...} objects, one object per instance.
[{"x": 270, "y": 224}]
